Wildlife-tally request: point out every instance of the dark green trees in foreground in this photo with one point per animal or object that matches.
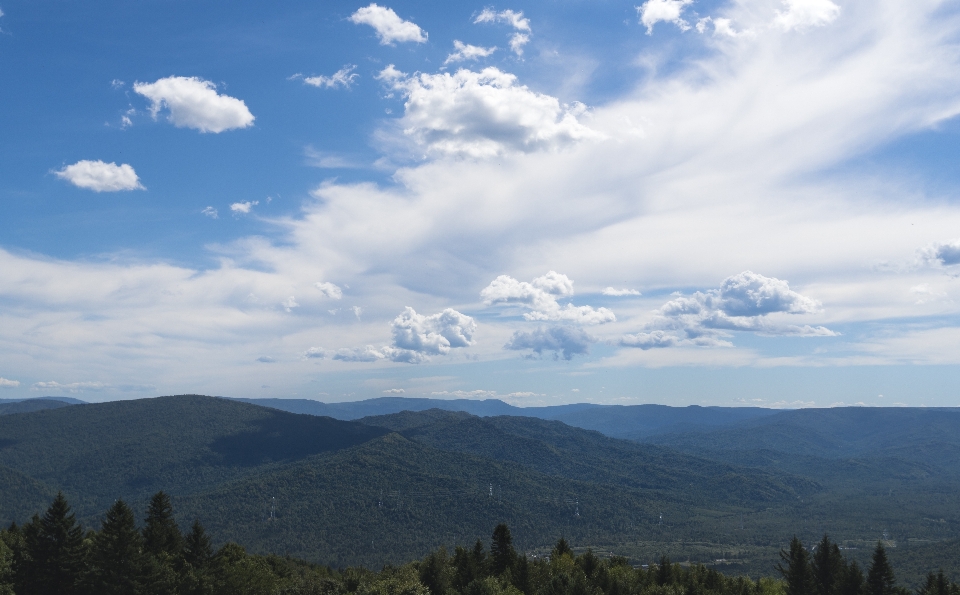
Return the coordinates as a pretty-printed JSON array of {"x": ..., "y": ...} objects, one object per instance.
[
  {"x": 52, "y": 555},
  {"x": 826, "y": 572}
]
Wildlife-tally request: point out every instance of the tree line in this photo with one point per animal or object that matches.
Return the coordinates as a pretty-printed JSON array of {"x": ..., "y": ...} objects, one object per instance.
[{"x": 53, "y": 555}]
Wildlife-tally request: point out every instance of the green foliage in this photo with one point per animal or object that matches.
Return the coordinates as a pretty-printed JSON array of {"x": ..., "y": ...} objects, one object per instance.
[
  {"x": 116, "y": 563},
  {"x": 880, "y": 578},
  {"x": 161, "y": 535},
  {"x": 796, "y": 570}
]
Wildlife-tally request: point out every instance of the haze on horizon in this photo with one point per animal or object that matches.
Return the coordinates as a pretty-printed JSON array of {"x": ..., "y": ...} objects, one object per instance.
[{"x": 751, "y": 202}]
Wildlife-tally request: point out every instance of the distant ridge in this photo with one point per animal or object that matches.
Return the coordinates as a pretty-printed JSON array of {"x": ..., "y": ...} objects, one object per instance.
[{"x": 631, "y": 422}]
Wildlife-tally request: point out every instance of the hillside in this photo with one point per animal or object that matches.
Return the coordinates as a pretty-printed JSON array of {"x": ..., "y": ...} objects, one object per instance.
[
  {"x": 29, "y": 405},
  {"x": 131, "y": 449}
]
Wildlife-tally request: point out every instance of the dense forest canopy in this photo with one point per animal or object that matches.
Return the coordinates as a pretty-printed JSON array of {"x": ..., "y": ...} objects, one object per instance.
[{"x": 52, "y": 554}]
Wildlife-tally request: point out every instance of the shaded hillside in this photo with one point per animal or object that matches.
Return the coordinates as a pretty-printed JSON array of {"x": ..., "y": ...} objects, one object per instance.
[
  {"x": 130, "y": 449},
  {"x": 29, "y": 405},
  {"x": 918, "y": 434},
  {"x": 393, "y": 499},
  {"x": 619, "y": 421},
  {"x": 553, "y": 448}
]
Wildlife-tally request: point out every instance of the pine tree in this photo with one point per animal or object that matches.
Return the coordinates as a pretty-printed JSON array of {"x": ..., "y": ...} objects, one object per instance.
[
  {"x": 160, "y": 532},
  {"x": 829, "y": 567},
  {"x": 853, "y": 581},
  {"x": 936, "y": 584},
  {"x": 502, "y": 553},
  {"x": 880, "y": 578},
  {"x": 117, "y": 563},
  {"x": 197, "y": 551},
  {"x": 797, "y": 573},
  {"x": 52, "y": 558}
]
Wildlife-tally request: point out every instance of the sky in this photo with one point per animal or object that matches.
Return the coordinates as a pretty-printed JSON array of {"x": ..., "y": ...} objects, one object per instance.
[{"x": 746, "y": 202}]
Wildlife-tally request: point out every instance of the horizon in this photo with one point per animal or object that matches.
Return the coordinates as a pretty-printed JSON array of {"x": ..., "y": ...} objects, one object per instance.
[{"x": 678, "y": 202}]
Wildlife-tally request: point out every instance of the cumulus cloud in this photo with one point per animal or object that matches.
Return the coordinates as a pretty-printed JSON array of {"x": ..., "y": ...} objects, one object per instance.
[
  {"x": 243, "y": 208},
  {"x": 540, "y": 297},
  {"x": 100, "y": 176},
  {"x": 345, "y": 77},
  {"x": 416, "y": 336},
  {"x": 195, "y": 103},
  {"x": 6, "y": 382},
  {"x": 315, "y": 353},
  {"x": 390, "y": 28},
  {"x": 394, "y": 391},
  {"x": 72, "y": 387},
  {"x": 211, "y": 212},
  {"x": 483, "y": 114},
  {"x": 614, "y": 292},
  {"x": 465, "y": 51},
  {"x": 942, "y": 253},
  {"x": 513, "y": 18},
  {"x": 721, "y": 27},
  {"x": 742, "y": 303},
  {"x": 669, "y": 11},
  {"x": 565, "y": 341},
  {"x": 800, "y": 14},
  {"x": 329, "y": 290},
  {"x": 290, "y": 303}
]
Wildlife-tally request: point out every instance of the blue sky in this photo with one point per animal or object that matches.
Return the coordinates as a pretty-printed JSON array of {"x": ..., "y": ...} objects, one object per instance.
[{"x": 675, "y": 201}]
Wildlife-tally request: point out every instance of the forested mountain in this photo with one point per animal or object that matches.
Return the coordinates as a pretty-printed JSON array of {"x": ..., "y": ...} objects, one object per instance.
[
  {"x": 617, "y": 421},
  {"x": 390, "y": 488},
  {"x": 29, "y": 405}
]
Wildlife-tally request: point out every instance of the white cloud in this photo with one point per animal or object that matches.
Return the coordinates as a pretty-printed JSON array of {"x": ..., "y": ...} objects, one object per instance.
[
  {"x": 329, "y": 290},
  {"x": 290, "y": 303},
  {"x": 389, "y": 27},
  {"x": 721, "y": 27},
  {"x": 315, "y": 353},
  {"x": 942, "y": 253},
  {"x": 742, "y": 303},
  {"x": 540, "y": 297},
  {"x": 345, "y": 77},
  {"x": 195, "y": 103},
  {"x": 243, "y": 208},
  {"x": 515, "y": 19},
  {"x": 614, "y": 292},
  {"x": 6, "y": 382},
  {"x": 668, "y": 11},
  {"x": 465, "y": 51},
  {"x": 394, "y": 391},
  {"x": 483, "y": 114},
  {"x": 72, "y": 387},
  {"x": 211, "y": 212},
  {"x": 357, "y": 311},
  {"x": 415, "y": 337},
  {"x": 100, "y": 176},
  {"x": 565, "y": 341},
  {"x": 435, "y": 334},
  {"x": 807, "y": 13}
]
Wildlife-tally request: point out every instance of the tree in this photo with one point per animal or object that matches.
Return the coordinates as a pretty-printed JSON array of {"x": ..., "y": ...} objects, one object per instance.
[
  {"x": 197, "y": 551},
  {"x": 160, "y": 532},
  {"x": 880, "y": 578},
  {"x": 52, "y": 557},
  {"x": 936, "y": 584},
  {"x": 853, "y": 581},
  {"x": 502, "y": 554},
  {"x": 828, "y": 567},
  {"x": 117, "y": 564},
  {"x": 797, "y": 572}
]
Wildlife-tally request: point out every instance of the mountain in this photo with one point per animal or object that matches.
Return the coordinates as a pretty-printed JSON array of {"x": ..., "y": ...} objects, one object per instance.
[
  {"x": 27, "y": 406},
  {"x": 96, "y": 453},
  {"x": 618, "y": 421}
]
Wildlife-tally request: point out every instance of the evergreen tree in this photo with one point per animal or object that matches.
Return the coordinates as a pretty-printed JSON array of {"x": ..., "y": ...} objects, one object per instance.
[
  {"x": 797, "y": 572},
  {"x": 160, "y": 532},
  {"x": 561, "y": 548},
  {"x": 853, "y": 580},
  {"x": 828, "y": 567},
  {"x": 117, "y": 563},
  {"x": 197, "y": 551},
  {"x": 936, "y": 584},
  {"x": 880, "y": 578},
  {"x": 52, "y": 557},
  {"x": 502, "y": 553}
]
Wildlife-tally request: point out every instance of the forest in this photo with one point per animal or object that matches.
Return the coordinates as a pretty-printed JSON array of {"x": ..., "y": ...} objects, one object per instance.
[{"x": 52, "y": 554}]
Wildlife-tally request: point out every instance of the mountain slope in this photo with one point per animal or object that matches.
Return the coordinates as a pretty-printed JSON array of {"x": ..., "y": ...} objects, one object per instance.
[{"x": 131, "y": 449}]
